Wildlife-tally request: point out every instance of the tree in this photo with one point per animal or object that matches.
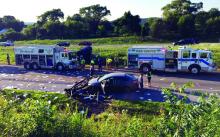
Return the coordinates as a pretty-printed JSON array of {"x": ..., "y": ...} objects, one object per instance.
[
  {"x": 52, "y": 15},
  {"x": 200, "y": 24},
  {"x": 11, "y": 22},
  {"x": 158, "y": 29},
  {"x": 213, "y": 27},
  {"x": 128, "y": 24},
  {"x": 179, "y": 16},
  {"x": 94, "y": 15},
  {"x": 179, "y": 8},
  {"x": 12, "y": 35},
  {"x": 213, "y": 13},
  {"x": 145, "y": 29},
  {"x": 55, "y": 30},
  {"x": 186, "y": 26},
  {"x": 76, "y": 27},
  {"x": 30, "y": 31}
]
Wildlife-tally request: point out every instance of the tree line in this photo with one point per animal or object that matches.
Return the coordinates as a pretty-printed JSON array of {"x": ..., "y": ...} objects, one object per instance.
[{"x": 181, "y": 19}]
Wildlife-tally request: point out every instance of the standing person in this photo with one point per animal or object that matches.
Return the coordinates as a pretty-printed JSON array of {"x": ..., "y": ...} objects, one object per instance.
[
  {"x": 8, "y": 59},
  {"x": 82, "y": 63},
  {"x": 149, "y": 75},
  {"x": 92, "y": 69},
  {"x": 116, "y": 62},
  {"x": 109, "y": 62},
  {"x": 141, "y": 81},
  {"x": 100, "y": 64}
]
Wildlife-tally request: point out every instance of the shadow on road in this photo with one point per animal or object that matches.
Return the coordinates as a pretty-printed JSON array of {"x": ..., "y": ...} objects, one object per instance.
[
  {"x": 211, "y": 76},
  {"x": 144, "y": 95}
]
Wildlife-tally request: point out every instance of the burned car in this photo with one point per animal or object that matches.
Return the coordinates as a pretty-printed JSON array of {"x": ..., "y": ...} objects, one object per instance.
[{"x": 114, "y": 82}]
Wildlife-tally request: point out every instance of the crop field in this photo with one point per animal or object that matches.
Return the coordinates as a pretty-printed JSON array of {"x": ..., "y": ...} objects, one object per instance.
[{"x": 108, "y": 49}]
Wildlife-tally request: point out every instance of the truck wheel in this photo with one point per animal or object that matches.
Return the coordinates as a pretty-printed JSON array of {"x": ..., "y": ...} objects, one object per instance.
[
  {"x": 27, "y": 65},
  {"x": 145, "y": 68},
  {"x": 195, "y": 70},
  {"x": 35, "y": 66},
  {"x": 60, "y": 67}
]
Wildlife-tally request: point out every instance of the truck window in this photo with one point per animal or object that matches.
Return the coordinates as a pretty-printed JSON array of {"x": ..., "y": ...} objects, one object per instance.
[
  {"x": 186, "y": 54},
  {"x": 35, "y": 57},
  {"x": 194, "y": 55},
  {"x": 26, "y": 56},
  {"x": 64, "y": 55},
  {"x": 203, "y": 55},
  {"x": 41, "y": 51}
]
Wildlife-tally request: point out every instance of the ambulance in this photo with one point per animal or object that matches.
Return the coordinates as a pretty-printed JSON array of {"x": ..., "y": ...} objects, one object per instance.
[
  {"x": 160, "y": 58},
  {"x": 45, "y": 56}
]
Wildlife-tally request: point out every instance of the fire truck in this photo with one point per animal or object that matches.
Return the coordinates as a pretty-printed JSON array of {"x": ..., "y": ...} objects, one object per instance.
[
  {"x": 160, "y": 58},
  {"x": 45, "y": 56}
]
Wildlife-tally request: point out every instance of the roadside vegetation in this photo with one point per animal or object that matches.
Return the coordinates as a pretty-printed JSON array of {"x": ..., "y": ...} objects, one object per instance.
[{"x": 34, "y": 113}]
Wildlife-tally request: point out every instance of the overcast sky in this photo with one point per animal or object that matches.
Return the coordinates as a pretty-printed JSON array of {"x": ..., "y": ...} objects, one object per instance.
[{"x": 28, "y": 10}]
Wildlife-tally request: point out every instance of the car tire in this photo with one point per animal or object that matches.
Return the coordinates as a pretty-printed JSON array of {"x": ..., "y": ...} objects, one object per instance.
[
  {"x": 60, "y": 67},
  {"x": 34, "y": 66},
  {"x": 195, "y": 70},
  {"x": 27, "y": 65}
]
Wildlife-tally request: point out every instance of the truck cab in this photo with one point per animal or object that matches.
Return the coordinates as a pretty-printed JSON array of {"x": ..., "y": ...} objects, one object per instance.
[
  {"x": 195, "y": 60},
  {"x": 66, "y": 59}
]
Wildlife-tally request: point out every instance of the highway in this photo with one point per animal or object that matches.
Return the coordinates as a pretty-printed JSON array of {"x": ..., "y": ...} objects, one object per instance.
[{"x": 54, "y": 81}]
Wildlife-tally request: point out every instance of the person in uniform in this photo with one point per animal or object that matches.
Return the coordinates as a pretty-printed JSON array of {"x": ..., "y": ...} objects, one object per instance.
[
  {"x": 149, "y": 75},
  {"x": 8, "y": 59}
]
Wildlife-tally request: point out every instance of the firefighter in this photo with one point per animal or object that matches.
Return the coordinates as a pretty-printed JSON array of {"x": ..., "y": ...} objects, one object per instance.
[
  {"x": 8, "y": 59},
  {"x": 109, "y": 62},
  {"x": 149, "y": 75}
]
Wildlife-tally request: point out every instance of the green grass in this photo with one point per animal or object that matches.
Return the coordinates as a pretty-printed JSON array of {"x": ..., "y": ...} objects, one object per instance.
[{"x": 95, "y": 41}]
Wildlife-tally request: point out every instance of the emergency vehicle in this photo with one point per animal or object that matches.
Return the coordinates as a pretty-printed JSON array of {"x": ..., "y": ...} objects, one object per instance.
[
  {"x": 160, "y": 58},
  {"x": 45, "y": 56}
]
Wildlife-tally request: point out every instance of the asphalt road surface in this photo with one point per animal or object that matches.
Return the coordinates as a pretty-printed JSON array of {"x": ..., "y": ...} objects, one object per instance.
[{"x": 52, "y": 80}]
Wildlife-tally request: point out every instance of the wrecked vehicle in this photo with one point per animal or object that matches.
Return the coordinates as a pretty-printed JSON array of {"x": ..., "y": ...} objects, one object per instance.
[
  {"x": 114, "y": 82},
  {"x": 93, "y": 89}
]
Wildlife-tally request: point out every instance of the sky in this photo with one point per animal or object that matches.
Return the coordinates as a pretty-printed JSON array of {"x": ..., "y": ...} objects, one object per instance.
[{"x": 28, "y": 10}]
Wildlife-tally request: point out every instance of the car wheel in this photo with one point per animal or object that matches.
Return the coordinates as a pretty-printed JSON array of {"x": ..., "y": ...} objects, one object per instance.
[
  {"x": 35, "y": 66},
  {"x": 27, "y": 65},
  {"x": 60, "y": 67}
]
